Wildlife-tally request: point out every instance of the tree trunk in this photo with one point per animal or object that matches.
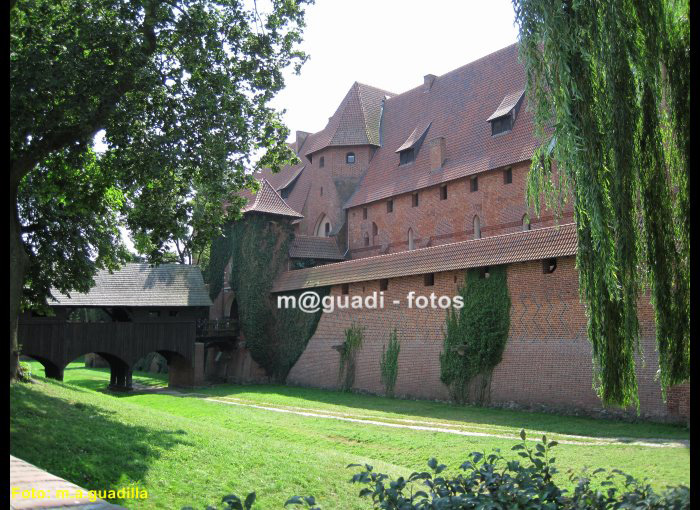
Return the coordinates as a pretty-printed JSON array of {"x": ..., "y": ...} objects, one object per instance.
[{"x": 18, "y": 260}]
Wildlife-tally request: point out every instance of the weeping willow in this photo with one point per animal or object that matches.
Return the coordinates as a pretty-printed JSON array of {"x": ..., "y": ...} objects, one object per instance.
[{"x": 609, "y": 87}]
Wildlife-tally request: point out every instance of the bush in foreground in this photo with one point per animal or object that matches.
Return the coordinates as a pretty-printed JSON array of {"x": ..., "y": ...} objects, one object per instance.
[{"x": 493, "y": 482}]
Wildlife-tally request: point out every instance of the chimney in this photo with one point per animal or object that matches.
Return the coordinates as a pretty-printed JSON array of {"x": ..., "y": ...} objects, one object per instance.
[
  {"x": 428, "y": 80},
  {"x": 300, "y": 139},
  {"x": 437, "y": 153}
]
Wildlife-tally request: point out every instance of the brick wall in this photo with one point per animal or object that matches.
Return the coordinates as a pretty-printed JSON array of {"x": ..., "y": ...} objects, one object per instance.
[
  {"x": 499, "y": 206},
  {"x": 547, "y": 359}
]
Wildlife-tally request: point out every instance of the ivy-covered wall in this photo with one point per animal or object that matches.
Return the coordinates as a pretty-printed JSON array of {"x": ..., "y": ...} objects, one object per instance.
[{"x": 258, "y": 245}]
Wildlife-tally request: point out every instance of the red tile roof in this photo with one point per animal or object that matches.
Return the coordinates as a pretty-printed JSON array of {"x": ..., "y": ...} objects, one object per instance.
[
  {"x": 558, "y": 241},
  {"x": 458, "y": 104},
  {"x": 267, "y": 200},
  {"x": 355, "y": 122},
  {"x": 507, "y": 104},
  {"x": 311, "y": 247}
]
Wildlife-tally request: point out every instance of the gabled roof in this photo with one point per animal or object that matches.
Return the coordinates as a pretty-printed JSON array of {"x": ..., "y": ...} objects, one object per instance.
[
  {"x": 509, "y": 102},
  {"x": 142, "y": 285},
  {"x": 415, "y": 136},
  {"x": 558, "y": 241},
  {"x": 355, "y": 122},
  {"x": 312, "y": 247},
  {"x": 458, "y": 103},
  {"x": 268, "y": 201}
]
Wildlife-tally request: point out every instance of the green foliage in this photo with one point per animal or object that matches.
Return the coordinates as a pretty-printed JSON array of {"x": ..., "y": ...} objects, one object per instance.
[
  {"x": 24, "y": 372},
  {"x": 219, "y": 255},
  {"x": 491, "y": 481},
  {"x": 258, "y": 246},
  {"x": 476, "y": 334},
  {"x": 609, "y": 84},
  {"x": 389, "y": 364},
  {"x": 348, "y": 356},
  {"x": 231, "y": 502}
]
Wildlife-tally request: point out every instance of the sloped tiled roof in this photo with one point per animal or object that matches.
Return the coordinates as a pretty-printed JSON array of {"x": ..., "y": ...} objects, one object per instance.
[
  {"x": 142, "y": 285},
  {"x": 311, "y": 247},
  {"x": 267, "y": 200},
  {"x": 458, "y": 103},
  {"x": 558, "y": 241},
  {"x": 355, "y": 122},
  {"x": 507, "y": 104},
  {"x": 415, "y": 135}
]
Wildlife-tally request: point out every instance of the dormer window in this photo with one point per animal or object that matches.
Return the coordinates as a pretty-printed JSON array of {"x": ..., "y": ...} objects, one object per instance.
[
  {"x": 503, "y": 118},
  {"x": 407, "y": 156},
  {"x": 350, "y": 158}
]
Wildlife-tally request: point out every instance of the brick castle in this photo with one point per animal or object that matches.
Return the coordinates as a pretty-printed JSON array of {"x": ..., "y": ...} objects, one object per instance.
[{"x": 405, "y": 192}]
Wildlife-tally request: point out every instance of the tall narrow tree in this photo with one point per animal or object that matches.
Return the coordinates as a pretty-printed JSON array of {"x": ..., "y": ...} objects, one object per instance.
[
  {"x": 609, "y": 83},
  {"x": 181, "y": 89}
]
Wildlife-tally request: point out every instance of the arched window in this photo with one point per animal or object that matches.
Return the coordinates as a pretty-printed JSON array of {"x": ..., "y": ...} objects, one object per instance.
[
  {"x": 411, "y": 240},
  {"x": 350, "y": 158},
  {"x": 526, "y": 222},
  {"x": 324, "y": 227},
  {"x": 477, "y": 228}
]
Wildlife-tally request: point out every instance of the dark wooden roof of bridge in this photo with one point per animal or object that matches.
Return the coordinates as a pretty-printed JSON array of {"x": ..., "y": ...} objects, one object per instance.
[{"x": 139, "y": 285}]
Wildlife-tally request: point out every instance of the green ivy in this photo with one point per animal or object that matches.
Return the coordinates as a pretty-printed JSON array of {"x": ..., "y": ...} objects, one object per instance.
[
  {"x": 348, "y": 354},
  {"x": 258, "y": 246},
  {"x": 476, "y": 335},
  {"x": 389, "y": 363},
  {"x": 219, "y": 255}
]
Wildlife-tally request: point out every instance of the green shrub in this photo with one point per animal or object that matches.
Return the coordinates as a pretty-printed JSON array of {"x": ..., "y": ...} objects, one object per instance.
[
  {"x": 24, "y": 372},
  {"x": 389, "y": 363},
  {"x": 348, "y": 353},
  {"x": 492, "y": 482},
  {"x": 476, "y": 335}
]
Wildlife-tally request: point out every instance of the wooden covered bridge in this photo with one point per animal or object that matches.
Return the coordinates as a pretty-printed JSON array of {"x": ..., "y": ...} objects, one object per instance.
[{"x": 128, "y": 314}]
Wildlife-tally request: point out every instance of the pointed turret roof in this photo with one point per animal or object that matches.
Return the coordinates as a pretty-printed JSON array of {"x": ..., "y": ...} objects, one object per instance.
[{"x": 267, "y": 200}]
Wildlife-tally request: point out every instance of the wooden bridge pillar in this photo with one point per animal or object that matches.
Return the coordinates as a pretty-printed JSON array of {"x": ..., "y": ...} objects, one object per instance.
[
  {"x": 120, "y": 378},
  {"x": 53, "y": 371}
]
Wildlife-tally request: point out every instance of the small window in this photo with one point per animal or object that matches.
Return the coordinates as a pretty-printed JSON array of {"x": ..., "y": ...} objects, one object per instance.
[
  {"x": 350, "y": 158},
  {"x": 375, "y": 229},
  {"x": 322, "y": 162},
  {"x": 345, "y": 288},
  {"x": 364, "y": 213},
  {"x": 154, "y": 313},
  {"x": 474, "y": 184},
  {"x": 365, "y": 238},
  {"x": 477, "y": 228},
  {"x": 549, "y": 266},
  {"x": 501, "y": 125},
  {"x": 321, "y": 190},
  {"x": 484, "y": 272},
  {"x": 508, "y": 176},
  {"x": 327, "y": 229},
  {"x": 407, "y": 156},
  {"x": 443, "y": 192},
  {"x": 384, "y": 284},
  {"x": 389, "y": 206},
  {"x": 411, "y": 240},
  {"x": 415, "y": 199},
  {"x": 526, "y": 222},
  {"x": 429, "y": 279}
]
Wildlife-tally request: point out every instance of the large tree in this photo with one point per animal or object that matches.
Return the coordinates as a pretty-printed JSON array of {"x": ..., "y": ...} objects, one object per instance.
[
  {"x": 181, "y": 89},
  {"x": 609, "y": 83}
]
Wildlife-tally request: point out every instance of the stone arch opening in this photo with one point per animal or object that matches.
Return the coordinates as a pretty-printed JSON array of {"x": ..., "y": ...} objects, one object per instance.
[
  {"x": 51, "y": 370},
  {"x": 180, "y": 370}
]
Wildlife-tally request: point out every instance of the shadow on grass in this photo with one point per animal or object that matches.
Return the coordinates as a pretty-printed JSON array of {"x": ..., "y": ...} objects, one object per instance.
[
  {"x": 83, "y": 443},
  {"x": 427, "y": 410}
]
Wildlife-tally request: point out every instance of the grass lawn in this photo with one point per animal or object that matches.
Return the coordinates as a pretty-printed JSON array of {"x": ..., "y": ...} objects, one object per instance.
[{"x": 192, "y": 451}]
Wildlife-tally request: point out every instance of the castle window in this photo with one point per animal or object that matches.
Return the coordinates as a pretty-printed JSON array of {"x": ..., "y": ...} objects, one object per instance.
[
  {"x": 474, "y": 183},
  {"x": 327, "y": 229},
  {"x": 501, "y": 125},
  {"x": 484, "y": 273},
  {"x": 389, "y": 206},
  {"x": 407, "y": 156},
  {"x": 477, "y": 228},
  {"x": 384, "y": 284},
  {"x": 345, "y": 288},
  {"x": 549, "y": 266},
  {"x": 321, "y": 190},
  {"x": 375, "y": 229},
  {"x": 443, "y": 192},
  {"x": 414, "y": 199},
  {"x": 411, "y": 240},
  {"x": 508, "y": 176},
  {"x": 365, "y": 238},
  {"x": 429, "y": 279},
  {"x": 350, "y": 158},
  {"x": 322, "y": 162},
  {"x": 526, "y": 222},
  {"x": 364, "y": 213}
]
